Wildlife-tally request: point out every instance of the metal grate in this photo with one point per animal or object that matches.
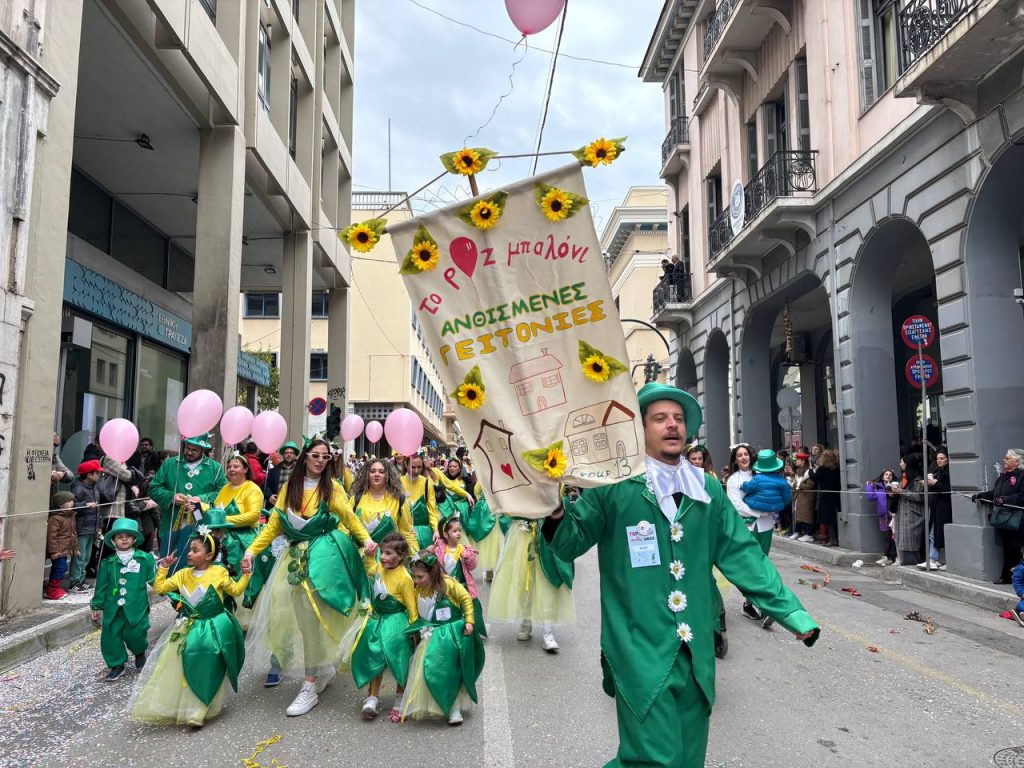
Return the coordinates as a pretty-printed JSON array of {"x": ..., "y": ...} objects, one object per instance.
[
  {"x": 923, "y": 22},
  {"x": 678, "y": 134}
]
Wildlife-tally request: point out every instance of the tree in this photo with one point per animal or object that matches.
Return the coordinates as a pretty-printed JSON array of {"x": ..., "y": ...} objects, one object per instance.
[{"x": 269, "y": 395}]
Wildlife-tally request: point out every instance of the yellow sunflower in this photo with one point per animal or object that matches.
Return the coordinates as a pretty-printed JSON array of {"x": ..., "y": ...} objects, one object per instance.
[
  {"x": 470, "y": 396},
  {"x": 425, "y": 256},
  {"x": 467, "y": 162},
  {"x": 596, "y": 368},
  {"x": 485, "y": 214},
  {"x": 555, "y": 463},
  {"x": 601, "y": 152},
  {"x": 362, "y": 238},
  {"x": 556, "y": 204}
]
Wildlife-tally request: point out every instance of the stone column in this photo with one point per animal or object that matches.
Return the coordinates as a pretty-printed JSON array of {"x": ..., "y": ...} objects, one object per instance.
[
  {"x": 809, "y": 404},
  {"x": 214, "y": 363},
  {"x": 296, "y": 310},
  {"x": 337, "y": 350}
]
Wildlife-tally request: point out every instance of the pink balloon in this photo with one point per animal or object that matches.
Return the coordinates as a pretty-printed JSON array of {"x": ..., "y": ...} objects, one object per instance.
[
  {"x": 119, "y": 439},
  {"x": 236, "y": 424},
  {"x": 404, "y": 431},
  {"x": 533, "y": 16},
  {"x": 351, "y": 427},
  {"x": 374, "y": 431},
  {"x": 199, "y": 412},
  {"x": 269, "y": 431}
]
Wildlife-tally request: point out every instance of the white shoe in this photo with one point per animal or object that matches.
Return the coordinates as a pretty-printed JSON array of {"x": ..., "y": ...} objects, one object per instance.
[
  {"x": 897, "y": 562},
  {"x": 455, "y": 716},
  {"x": 305, "y": 701},
  {"x": 882, "y": 561},
  {"x": 371, "y": 708},
  {"x": 324, "y": 678},
  {"x": 793, "y": 536},
  {"x": 806, "y": 537},
  {"x": 942, "y": 567},
  {"x": 525, "y": 630},
  {"x": 550, "y": 644},
  {"x": 923, "y": 565}
]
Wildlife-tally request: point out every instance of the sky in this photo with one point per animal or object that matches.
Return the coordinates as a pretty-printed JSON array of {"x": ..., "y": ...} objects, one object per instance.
[{"x": 439, "y": 80}]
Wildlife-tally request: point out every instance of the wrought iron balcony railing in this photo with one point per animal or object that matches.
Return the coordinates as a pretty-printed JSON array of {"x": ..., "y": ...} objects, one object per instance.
[
  {"x": 716, "y": 24},
  {"x": 785, "y": 173},
  {"x": 923, "y": 22},
  {"x": 676, "y": 135},
  {"x": 673, "y": 289}
]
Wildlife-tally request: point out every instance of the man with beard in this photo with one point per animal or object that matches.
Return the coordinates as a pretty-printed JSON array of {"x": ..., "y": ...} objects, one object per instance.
[{"x": 279, "y": 475}]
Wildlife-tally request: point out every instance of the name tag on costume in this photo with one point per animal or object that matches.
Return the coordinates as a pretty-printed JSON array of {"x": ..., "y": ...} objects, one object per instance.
[
  {"x": 132, "y": 566},
  {"x": 643, "y": 545},
  {"x": 443, "y": 614}
]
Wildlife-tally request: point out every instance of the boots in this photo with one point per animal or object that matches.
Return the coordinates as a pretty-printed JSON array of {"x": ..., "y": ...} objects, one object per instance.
[{"x": 53, "y": 591}]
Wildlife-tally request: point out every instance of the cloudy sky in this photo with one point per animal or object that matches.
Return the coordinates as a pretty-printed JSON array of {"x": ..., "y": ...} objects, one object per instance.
[{"x": 438, "y": 80}]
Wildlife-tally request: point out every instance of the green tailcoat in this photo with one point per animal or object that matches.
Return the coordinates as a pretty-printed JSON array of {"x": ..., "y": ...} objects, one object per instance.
[
  {"x": 452, "y": 660},
  {"x": 176, "y": 525},
  {"x": 383, "y": 643},
  {"x": 639, "y": 632},
  {"x": 116, "y": 582},
  {"x": 214, "y": 645}
]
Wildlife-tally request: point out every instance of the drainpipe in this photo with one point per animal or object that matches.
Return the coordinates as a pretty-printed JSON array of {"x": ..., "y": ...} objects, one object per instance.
[
  {"x": 834, "y": 310},
  {"x": 733, "y": 354}
]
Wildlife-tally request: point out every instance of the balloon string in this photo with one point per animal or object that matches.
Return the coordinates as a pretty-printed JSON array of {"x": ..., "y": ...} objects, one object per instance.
[{"x": 511, "y": 87}]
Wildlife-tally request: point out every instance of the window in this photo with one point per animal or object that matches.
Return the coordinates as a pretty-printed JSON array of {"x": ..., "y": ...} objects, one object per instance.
[
  {"x": 210, "y": 6},
  {"x": 293, "y": 114},
  {"x": 138, "y": 246},
  {"x": 89, "y": 212},
  {"x": 263, "y": 68},
  {"x": 295, "y": 9},
  {"x": 262, "y": 305},
  {"x": 776, "y": 125},
  {"x": 551, "y": 380},
  {"x": 524, "y": 389},
  {"x": 318, "y": 366},
  {"x": 578, "y": 447},
  {"x": 319, "y": 304},
  {"x": 713, "y": 192},
  {"x": 684, "y": 238},
  {"x": 677, "y": 95},
  {"x": 803, "y": 113},
  {"x": 879, "y": 47},
  {"x": 752, "y": 164},
  {"x": 181, "y": 269},
  {"x": 600, "y": 440}
]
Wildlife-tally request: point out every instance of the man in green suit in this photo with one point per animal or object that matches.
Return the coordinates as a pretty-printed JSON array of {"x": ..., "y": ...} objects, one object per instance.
[{"x": 658, "y": 535}]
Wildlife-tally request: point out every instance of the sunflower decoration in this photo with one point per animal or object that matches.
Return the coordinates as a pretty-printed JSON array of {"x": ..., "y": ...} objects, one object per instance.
[
  {"x": 365, "y": 234},
  {"x": 600, "y": 151},
  {"x": 471, "y": 393},
  {"x": 551, "y": 460},
  {"x": 423, "y": 256},
  {"x": 597, "y": 366},
  {"x": 467, "y": 161},
  {"x": 557, "y": 204},
  {"x": 484, "y": 213}
]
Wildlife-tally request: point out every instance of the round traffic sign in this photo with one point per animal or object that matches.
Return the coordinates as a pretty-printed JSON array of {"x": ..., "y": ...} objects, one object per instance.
[
  {"x": 918, "y": 329},
  {"x": 788, "y": 397},
  {"x": 924, "y": 369},
  {"x": 317, "y": 406}
]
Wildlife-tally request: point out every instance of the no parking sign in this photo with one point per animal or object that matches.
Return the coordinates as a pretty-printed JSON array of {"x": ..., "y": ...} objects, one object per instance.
[{"x": 923, "y": 369}]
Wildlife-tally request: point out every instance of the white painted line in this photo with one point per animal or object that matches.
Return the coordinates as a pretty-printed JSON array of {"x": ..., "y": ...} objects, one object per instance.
[{"x": 497, "y": 726}]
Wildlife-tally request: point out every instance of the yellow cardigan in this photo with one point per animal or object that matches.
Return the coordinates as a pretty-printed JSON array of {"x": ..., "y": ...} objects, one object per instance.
[
  {"x": 371, "y": 509},
  {"x": 423, "y": 488}
]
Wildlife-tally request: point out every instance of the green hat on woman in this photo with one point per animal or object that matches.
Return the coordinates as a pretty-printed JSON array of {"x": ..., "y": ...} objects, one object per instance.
[
  {"x": 215, "y": 518},
  {"x": 653, "y": 391},
  {"x": 767, "y": 461},
  {"x": 123, "y": 525}
]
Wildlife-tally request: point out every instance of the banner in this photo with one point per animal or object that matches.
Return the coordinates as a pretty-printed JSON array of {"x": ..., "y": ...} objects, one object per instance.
[{"x": 512, "y": 294}]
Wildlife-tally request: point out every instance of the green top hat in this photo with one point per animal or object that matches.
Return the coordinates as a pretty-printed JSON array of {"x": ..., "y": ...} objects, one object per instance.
[
  {"x": 200, "y": 441},
  {"x": 123, "y": 525},
  {"x": 215, "y": 518},
  {"x": 767, "y": 461},
  {"x": 653, "y": 391},
  {"x": 290, "y": 444}
]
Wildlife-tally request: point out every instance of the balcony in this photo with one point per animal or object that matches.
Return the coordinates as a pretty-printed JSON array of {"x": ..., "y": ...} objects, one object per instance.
[
  {"x": 949, "y": 46},
  {"x": 734, "y": 33},
  {"x": 671, "y": 300},
  {"x": 775, "y": 204},
  {"x": 675, "y": 149}
]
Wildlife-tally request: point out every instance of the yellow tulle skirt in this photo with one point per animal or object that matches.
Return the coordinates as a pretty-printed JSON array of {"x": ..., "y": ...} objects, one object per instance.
[
  {"x": 521, "y": 591},
  {"x": 417, "y": 703},
  {"x": 295, "y": 625},
  {"x": 488, "y": 550},
  {"x": 162, "y": 697}
]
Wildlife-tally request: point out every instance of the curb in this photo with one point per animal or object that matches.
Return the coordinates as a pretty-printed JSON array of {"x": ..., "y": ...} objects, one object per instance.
[{"x": 940, "y": 583}]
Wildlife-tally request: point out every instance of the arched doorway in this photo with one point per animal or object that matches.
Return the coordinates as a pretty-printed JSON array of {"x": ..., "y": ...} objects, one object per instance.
[
  {"x": 686, "y": 373},
  {"x": 716, "y": 397}
]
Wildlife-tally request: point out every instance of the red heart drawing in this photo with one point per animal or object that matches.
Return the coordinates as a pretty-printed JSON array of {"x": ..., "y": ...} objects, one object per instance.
[
  {"x": 464, "y": 254},
  {"x": 507, "y": 469}
]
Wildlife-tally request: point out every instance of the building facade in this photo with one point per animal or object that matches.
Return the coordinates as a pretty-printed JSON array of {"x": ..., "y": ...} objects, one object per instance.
[
  {"x": 833, "y": 169},
  {"x": 388, "y": 363},
  {"x": 193, "y": 151}
]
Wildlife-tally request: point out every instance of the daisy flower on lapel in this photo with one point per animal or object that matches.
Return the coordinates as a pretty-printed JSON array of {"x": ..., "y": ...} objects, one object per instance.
[
  {"x": 676, "y": 601},
  {"x": 676, "y": 569},
  {"x": 683, "y": 632},
  {"x": 676, "y": 532}
]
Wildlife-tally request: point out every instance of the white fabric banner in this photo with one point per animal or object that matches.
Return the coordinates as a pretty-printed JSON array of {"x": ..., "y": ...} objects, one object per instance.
[{"x": 518, "y": 313}]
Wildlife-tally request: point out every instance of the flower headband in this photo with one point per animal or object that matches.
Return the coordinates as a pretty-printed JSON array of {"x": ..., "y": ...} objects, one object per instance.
[{"x": 203, "y": 532}]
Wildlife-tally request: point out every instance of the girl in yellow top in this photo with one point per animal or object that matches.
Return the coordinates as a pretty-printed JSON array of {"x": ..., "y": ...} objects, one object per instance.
[
  {"x": 422, "y": 502},
  {"x": 204, "y": 634},
  {"x": 381, "y": 503},
  {"x": 307, "y": 605}
]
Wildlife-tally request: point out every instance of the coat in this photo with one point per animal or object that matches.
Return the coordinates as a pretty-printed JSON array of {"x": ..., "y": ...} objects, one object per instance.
[
  {"x": 259, "y": 475},
  {"x": 910, "y": 518},
  {"x": 87, "y": 519},
  {"x": 123, "y": 475},
  {"x": 827, "y": 480},
  {"x": 119, "y": 586},
  {"x": 768, "y": 492},
  {"x": 805, "y": 496},
  {"x": 940, "y": 505},
  {"x": 640, "y": 634},
  {"x": 879, "y": 494},
  {"x": 173, "y": 477},
  {"x": 61, "y": 536}
]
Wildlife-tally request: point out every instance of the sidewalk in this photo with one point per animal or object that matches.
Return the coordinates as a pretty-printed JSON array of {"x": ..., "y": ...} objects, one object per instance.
[{"x": 994, "y": 597}]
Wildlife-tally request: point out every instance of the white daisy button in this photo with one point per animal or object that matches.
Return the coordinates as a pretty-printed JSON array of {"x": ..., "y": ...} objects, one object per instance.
[
  {"x": 123, "y": 591},
  {"x": 122, "y": 582},
  {"x": 684, "y": 633},
  {"x": 676, "y": 532},
  {"x": 644, "y": 528},
  {"x": 188, "y": 486},
  {"x": 676, "y": 569},
  {"x": 676, "y": 601},
  {"x": 120, "y": 601}
]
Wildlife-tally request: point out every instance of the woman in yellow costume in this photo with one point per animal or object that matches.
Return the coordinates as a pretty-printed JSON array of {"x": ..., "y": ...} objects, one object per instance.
[
  {"x": 381, "y": 503},
  {"x": 422, "y": 502}
]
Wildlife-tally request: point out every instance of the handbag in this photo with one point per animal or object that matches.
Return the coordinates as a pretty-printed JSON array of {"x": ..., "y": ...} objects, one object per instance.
[
  {"x": 107, "y": 487},
  {"x": 1006, "y": 519}
]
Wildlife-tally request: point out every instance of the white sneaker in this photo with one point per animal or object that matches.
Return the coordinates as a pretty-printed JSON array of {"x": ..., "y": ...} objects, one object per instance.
[
  {"x": 305, "y": 701},
  {"x": 806, "y": 537},
  {"x": 882, "y": 561},
  {"x": 942, "y": 567},
  {"x": 793, "y": 536},
  {"x": 371, "y": 708},
  {"x": 525, "y": 630},
  {"x": 455, "y": 716},
  {"x": 324, "y": 678},
  {"x": 550, "y": 644},
  {"x": 923, "y": 565},
  {"x": 897, "y": 562}
]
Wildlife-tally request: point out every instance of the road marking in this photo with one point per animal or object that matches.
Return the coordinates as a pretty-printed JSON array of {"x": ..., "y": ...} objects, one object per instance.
[
  {"x": 497, "y": 726},
  {"x": 927, "y": 671}
]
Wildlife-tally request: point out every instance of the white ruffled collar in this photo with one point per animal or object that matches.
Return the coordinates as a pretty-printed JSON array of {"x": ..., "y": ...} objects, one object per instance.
[{"x": 665, "y": 480}]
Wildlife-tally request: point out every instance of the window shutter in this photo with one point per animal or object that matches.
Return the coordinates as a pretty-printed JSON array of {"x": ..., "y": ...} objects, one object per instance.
[
  {"x": 868, "y": 74},
  {"x": 771, "y": 130}
]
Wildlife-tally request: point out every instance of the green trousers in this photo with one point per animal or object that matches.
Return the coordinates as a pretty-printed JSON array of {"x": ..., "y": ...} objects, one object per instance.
[
  {"x": 674, "y": 734},
  {"x": 764, "y": 538},
  {"x": 118, "y": 633}
]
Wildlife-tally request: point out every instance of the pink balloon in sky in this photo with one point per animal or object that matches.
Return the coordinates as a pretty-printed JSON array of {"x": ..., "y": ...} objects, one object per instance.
[
  {"x": 269, "y": 430},
  {"x": 533, "y": 16},
  {"x": 236, "y": 424}
]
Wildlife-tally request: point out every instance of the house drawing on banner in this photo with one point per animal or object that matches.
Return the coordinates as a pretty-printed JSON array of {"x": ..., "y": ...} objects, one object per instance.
[
  {"x": 538, "y": 383},
  {"x": 496, "y": 444},
  {"x": 601, "y": 432}
]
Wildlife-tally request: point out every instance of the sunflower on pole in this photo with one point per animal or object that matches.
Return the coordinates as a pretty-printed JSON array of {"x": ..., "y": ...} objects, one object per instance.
[
  {"x": 364, "y": 235},
  {"x": 424, "y": 255}
]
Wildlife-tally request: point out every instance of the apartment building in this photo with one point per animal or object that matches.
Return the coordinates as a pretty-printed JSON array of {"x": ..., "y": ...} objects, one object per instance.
[{"x": 834, "y": 168}]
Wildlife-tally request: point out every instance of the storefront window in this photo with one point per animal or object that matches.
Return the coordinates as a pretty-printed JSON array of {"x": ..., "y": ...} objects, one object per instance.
[
  {"x": 162, "y": 377},
  {"x": 97, "y": 382}
]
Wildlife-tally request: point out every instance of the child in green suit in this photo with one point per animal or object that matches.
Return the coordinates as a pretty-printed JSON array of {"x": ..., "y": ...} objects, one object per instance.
[{"x": 122, "y": 598}]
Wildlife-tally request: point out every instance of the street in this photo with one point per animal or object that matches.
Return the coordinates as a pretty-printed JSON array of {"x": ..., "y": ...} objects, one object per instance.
[{"x": 950, "y": 698}]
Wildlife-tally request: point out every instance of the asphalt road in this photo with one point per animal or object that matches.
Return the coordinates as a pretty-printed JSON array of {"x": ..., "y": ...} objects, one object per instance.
[{"x": 951, "y": 698}]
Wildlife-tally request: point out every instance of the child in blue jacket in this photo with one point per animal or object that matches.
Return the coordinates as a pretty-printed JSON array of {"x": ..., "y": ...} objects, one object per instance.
[
  {"x": 1017, "y": 579},
  {"x": 767, "y": 492}
]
